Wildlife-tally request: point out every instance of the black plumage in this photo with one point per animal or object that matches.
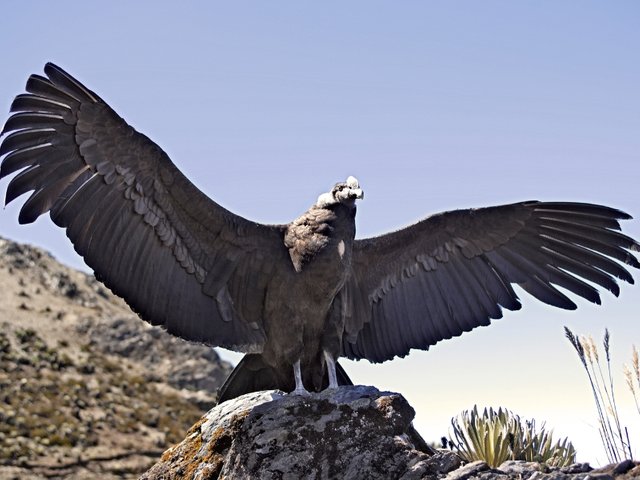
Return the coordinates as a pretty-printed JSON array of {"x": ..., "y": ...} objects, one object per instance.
[{"x": 290, "y": 296}]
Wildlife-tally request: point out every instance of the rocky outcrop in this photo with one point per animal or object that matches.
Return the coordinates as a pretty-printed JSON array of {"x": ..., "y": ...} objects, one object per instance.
[{"x": 352, "y": 433}]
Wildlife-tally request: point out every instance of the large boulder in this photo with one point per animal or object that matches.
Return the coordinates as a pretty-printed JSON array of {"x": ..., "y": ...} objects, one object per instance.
[{"x": 349, "y": 433}]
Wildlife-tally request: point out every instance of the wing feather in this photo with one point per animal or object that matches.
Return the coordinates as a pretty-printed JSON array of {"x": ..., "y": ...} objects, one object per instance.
[
  {"x": 32, "y": 120},
  {"x": 23, "y": 139},
  {"x": 475, "y": 292},
  {"x": 149, "y": 234},
  {"x": 536, "y": 260},
  {"x": 454, "y": 271},
  {"x": 434, "y": 302},
  {"x": 32, "y": 103}
]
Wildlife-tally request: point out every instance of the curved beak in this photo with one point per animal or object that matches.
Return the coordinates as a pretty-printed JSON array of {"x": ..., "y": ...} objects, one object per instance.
[{"x": 357, "y": 193}]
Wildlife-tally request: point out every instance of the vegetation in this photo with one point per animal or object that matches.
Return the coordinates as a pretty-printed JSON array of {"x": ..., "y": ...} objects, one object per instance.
[
  {"x": 496, "y": 436},
  {"x": 50, "y": 403},
  {"x": 632, "y": 376},
  {"x": 615, "y": 438}
]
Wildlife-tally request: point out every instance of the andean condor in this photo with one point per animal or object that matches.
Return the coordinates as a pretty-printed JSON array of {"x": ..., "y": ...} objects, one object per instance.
[{"x": 292, "y": 297}]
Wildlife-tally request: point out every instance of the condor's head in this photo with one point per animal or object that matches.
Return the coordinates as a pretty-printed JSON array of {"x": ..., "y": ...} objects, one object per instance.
[{"x": 346, "y": 192}]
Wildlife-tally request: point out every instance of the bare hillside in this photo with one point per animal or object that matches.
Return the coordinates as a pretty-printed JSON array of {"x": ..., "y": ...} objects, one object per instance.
[{"x": 87, "y": 389}]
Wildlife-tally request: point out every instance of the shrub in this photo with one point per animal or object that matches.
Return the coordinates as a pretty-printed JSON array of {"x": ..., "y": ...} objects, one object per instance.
[{"x": 496, "y": 436}]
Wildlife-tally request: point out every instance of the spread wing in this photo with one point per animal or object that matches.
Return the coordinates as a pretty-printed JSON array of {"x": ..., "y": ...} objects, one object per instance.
[
  {"x": 179, "y": 259},
  {"x": 454, "y": 271}
]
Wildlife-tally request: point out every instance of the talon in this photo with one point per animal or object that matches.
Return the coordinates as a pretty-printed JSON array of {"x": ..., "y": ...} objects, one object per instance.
[{"x": 302, "y": 392}]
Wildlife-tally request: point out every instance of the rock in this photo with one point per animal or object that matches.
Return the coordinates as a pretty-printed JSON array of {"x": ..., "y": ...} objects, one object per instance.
[
  {"x": 577, "y": 468},
  {"x": 468, "y": 471},
  {"x": 599, "y": 476},
  {"x": 623, "y": 467},
  {"x": 520, "y": 467},
  {"x": 634, "y": 472},
  {"x": 442, "y": 462},
  {"x": 349, "y": 433},
  {"x": 543, "y": 476}
]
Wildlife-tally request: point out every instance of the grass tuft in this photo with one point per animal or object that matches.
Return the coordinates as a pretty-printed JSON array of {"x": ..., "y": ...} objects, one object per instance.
[{"x": 615, "y": 438}]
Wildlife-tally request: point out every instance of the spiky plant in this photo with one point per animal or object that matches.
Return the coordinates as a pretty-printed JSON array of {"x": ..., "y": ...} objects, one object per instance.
[{"x": 496, "y": 436}]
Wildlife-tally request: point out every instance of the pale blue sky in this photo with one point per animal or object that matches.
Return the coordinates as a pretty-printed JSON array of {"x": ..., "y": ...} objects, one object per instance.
[{"x": 432, "y": 105}]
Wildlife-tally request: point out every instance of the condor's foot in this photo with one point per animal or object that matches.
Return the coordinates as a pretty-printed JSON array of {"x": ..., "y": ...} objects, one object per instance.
[
  {"x": 331, "y": 371},
  {"x": 297, "y": 375}
]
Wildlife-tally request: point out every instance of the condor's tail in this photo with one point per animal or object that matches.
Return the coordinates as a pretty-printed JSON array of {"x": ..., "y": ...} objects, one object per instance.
[{"x": 253, "y": 374}]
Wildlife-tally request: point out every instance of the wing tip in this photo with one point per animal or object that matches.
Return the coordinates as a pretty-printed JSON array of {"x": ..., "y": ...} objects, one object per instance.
[
  {"x": 52, "y": 67},
  {"x": 25, "y": 218},
  {"x": 583, "y": 207},
  {"x": 68, "y": 83}
]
